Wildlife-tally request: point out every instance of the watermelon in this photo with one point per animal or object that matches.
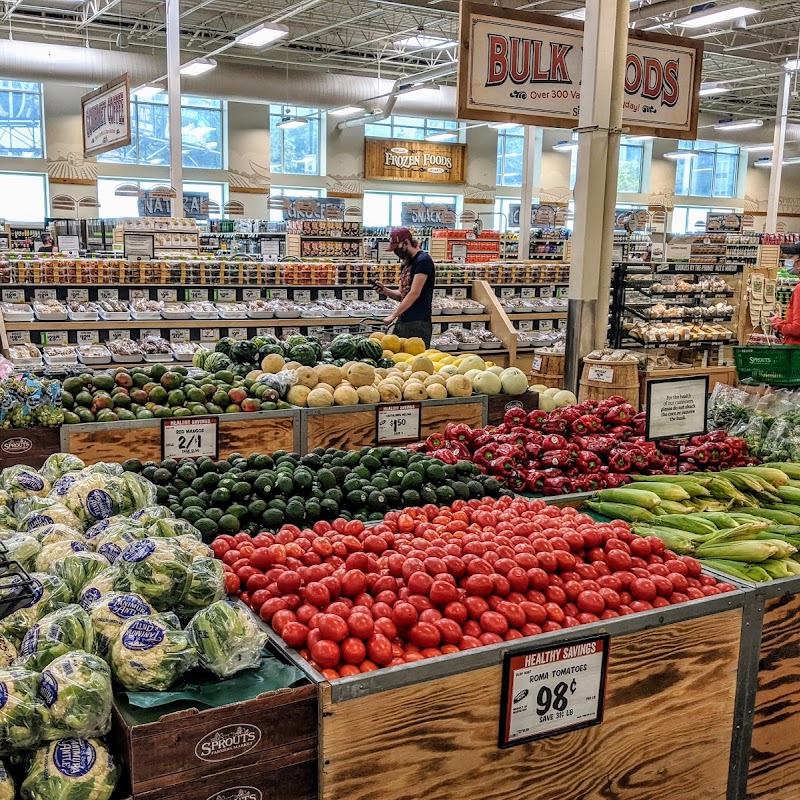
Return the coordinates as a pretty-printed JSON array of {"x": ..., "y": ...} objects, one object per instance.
[
  {"x": 303, "y": 354},
  {"x": 269, "y": 349},
  {"x": 369, "y": 349},
  {"x": 215, "y": 362},
  {"x": 386, "y": 363},
  {"x": 225, "y": 345},
  {"x": 199, "y": 358},
  {"x": 344, "y": 346},
  {"x": 244, "y": 352}
]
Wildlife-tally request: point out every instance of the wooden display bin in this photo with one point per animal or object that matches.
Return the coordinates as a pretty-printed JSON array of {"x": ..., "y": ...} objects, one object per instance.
[
  {"x": 352, "y": 427},
  {"x": 257, "y": 432},
  {"x": 430, "y": 729},
  {"x": 500, "y": 403},
  {"x": 29, "y": 446}
]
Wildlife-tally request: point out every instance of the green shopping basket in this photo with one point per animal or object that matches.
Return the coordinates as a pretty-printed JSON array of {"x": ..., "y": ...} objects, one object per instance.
[{"x": 777, "y": 365}]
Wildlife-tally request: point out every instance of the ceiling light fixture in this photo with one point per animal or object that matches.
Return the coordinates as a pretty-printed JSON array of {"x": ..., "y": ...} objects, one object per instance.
[
  {"x": 344, "y": 110},
  {"x": 262, "y": 35},
  {"x": 793, "y": 160},
  {"x": 565, "y": 146},
  {"x": 577, "y": 13},
  {"x": 148, "y": 90},
  {"x": 676, "y": 154},
  {"x": 292, "y": 122},
  {"x": 441, "y": 137},
  {"x": 757, "y": 148},
  {"x": 502, "y": 126},
  {"x": 716, "y": 15},
  {"x": 709, "y": 89},
  {"x": 793, "y": 65},
  {"x": 642, "y": 138},
  {"x": 422, "y": 40},
  {"x": 198, "y": 67},
  {"x": 738, "y": 124},
  {"x": 762, "y": 162}
]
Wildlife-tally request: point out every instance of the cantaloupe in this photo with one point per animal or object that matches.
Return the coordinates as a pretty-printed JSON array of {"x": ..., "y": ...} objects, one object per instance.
[
  {"x": 419, "y": 376},
  {"x": 307, "y": 376},
  {"x": 391, "y": 342},
  {"x": 390, "y": 392},
  {"x": 329, "y": 373},
  {"x": 471, "y": 362},
  {"x": 387, "y": 354},
  {"x": 273, "y": 363},
  {"x": 319, "y": 398},
  {"x": 448, "y": 370},
  {"x": 458, "y": 386},
  {"x": 436, "y": 391},
  {"x": 253, "y": 375},
  {"x": 360, "y": 374},
  {"x": 345, "y": 395},
  {"x": 326, "y": 386},
  {"x": 368, "y": 394},
  {"x": 431, "y": 379},
  {"x": 292, "y": 365},
  {"x": 377, "y": 335},
  {"x": 414, "y": 390},
  {"x": 471, "y": 374},
  {"x": 487, "y": 383},
  {"x": 298, "y": 395},
  {"x": 514, "y": 381},
  {"x": 415, "y": 346},
  {"x": 422, "y": 364}
]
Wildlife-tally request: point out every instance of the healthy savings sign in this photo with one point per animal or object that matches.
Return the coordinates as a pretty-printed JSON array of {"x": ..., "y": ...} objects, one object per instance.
[{"x": 523, "y": 67}]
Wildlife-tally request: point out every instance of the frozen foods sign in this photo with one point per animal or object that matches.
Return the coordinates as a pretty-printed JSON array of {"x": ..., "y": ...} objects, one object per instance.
[
  {"x": 522, "y": 67},
  {"x": 106, "y": 117}
]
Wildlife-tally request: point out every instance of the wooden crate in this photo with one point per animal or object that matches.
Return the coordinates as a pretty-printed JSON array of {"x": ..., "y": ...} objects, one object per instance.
[
  {"x": 349, "y": 429},
  {"x": 262, "y": 735},
  {"x": 29, "y": 446},
  {"x": 499, "y": 404},
  {"x": 672, "y": 676},
  {"x": 258, "y": 432}
]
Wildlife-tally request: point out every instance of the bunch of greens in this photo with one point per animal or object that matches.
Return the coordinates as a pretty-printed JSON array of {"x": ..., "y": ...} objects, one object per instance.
[{"x": 206, "y": 586}]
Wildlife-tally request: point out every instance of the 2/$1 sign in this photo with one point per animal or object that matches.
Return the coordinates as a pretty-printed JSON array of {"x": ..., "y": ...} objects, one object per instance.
[{"x": 523, "y": 67}]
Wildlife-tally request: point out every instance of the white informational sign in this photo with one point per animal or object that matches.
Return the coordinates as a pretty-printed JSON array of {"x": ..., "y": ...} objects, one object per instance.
[
  {"x": 87, "y": 337},
  {"x": 167, "y": 295},
  {"x": 302, "y": 296},
  {"x": 679, "y": 251},
  {"x": 549, "y": 691},
  {"x": 523, "y": 67},
  {"x": 13, "y": 295},
  {"x": 80, "y": 295},
  {"x": 19, "y": 337},
  {"x": 459, "y": 252},
  {"x": 179, "y": 335},
  {"x": 601, "y": 374},
  {"x": 271, "y": 249},
  {"x": 226, "y": 295},
  {"x": 44, "y": 295},
  {"x": 120, "y": 333},
  {"x": 536, "y": 364},
  {"x": 251, "y": 294},
  {"x": 54, "y": 338},
  {"x": 106, "y": 117},
  {"x": 209, "y": 334},
  {"x": 676, "y": 408},
  {"x": 71, "y": 245},
  {"x": 398, "y": 422},
  {"x": 197, "y": 295},
  {"x": 190, "y": 438},
  {"x": 139, "y": 246}
]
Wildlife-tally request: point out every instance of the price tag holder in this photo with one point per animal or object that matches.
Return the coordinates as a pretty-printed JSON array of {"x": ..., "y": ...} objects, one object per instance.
[
  {"x": 197, "y": 295},
  {"x": 601, "y": 374},
  {"x": 507, "y": 291},
  {"x": 265, "y": 331},
  {"x": 78, "y": 295},
  {"x": 546, "y": 325},
  {"x": 165, "y": 295},
  {"x": 190, "y": 438},
  {"x": 19, "y": 337},
  {"x": 43, "y": 295},
  {"x": 150, "y": 333},
  {"x": 13, "y": 295},
  {"x": 54, "y": 338},
  {"x": 119, "y": 334},
  {"x": 436, "y": 328},
  {"x": 237, "y": 333},
  {"x": 478, "y": 326},
  {"x": 337, "y": 329},
  {"x": 536, "y": 364},
  {"x": 548, "y": 691},
  {"x": 460, "y": 293},
  {"x": 316, "y": 331},
  {"x": 440, "y": 292},
  {"x": 209, "y": 334},
  {"x": 350, "y": 294},
  {"x": 226, "y": 295},
  {"x": 525, "y": 325},
  {"x": 179, "y": 335},
  {"x": 546, "y": 291},
  {"x": 278, "y": 294},
  {"x": 563, "y": 293},
  {"x": 398, "y": 422},
  {"x": 143, "y": 294},
  {"x": 87, "y": 337},
  {"x": 371, "y": 296},
  {"x": 107, "y": 294},
  {"x": 562, "y": 324},
  {"x": 327, "y": 294},
  {"x": 302, "y": 295},
  {"x": 251, "y": 294},
  {"x": 528, "y": 292}
]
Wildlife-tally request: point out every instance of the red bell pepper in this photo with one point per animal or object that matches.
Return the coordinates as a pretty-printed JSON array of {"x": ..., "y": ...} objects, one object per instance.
[
  {"x": 587, "y": 483},
  {"x": 481, "y": 440},
  {"x": 620, "y": 415},
  {"x": 483, "y": 456},
  {"x": 460, "y": 449},
  {"x": 621, "y": 431},
  {"x": 655, "y": 460},
  {"x": 417, "y": 447},
  {"x": 435, "y": 441},
  {"x": 697, "y": 454},
  {"x": 554, "y": 442},
  {"x": 568, "y": 413},
  {"x": 459, "y": 432},
  {"x": 601, "y": 445},
  {"x": 619, "y": 461},
  {"x": 535, "y": 419},
  {"x": 446, "y": 455},
  {"x": 615, "y": 480},
  {"x": 503, "y": 465},
  {"x": 516, "y": 483},
  {"x": 638, "y": 458},
  {"x": 553, "y": 486},
  {"x": 587, "y": 424},
  {"x": 519, "y": 437},
  {"x": 515, "y": 416},
  {"x": 534, "y": 481},
  {"x": 587, "y": 462},
  {"x": 557, "y": 458},
  {"x": 554, "y": 425},
  {"x": 533, "y": 450}
]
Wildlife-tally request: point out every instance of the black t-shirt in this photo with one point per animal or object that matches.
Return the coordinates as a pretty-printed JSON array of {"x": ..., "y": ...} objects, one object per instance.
[{"x": 421, "y": 264}]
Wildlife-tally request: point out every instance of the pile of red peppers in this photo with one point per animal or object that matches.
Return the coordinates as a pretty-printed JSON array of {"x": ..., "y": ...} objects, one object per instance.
[{"x": 582, "y": 448}]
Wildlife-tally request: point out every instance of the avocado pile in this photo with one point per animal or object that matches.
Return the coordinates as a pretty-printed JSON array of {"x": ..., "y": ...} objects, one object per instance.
[
  {"x": 162, "y": 391},
  {"x": 262, "y": 493}
]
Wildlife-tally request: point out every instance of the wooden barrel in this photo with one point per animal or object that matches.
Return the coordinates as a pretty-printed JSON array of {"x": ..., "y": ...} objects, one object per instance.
[
  {"x": 547, "y": 368},
  {"x": 602, "y": 379}
]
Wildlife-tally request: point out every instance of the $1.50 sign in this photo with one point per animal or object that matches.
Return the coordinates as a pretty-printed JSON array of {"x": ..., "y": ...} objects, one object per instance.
[
  {"x": 190, "y": 438},
  {"x": 398, "y": 422},
  {"x": 553, "y": 690}
]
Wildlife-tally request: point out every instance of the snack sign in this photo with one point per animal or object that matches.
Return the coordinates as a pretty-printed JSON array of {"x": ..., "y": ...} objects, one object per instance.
[
  {"x": 106, "y": 117},
  {"x": 522, "y": 67}
]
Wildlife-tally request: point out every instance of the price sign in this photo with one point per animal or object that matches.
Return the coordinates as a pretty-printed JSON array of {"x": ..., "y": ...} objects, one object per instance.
[
  {"x": 119, "y": 334},
  {"x": 143, "y": 294},
  {"x": 78, "y": 295},
  {"x": 251, "y": 294},
  {"x": 562, "y": 324},
  {"x": 166, "y": 295},
  {"x": 526, "y": 325},
  {"x": 460, "y": 293},
  {"x": 179, "y": 335},
  {"x": 677, "y": 408},
  {"x": 265, "y": 331},
  {"x": 226, "y": 295},
  {"x": 337, "y": 329},
  {"x": 209, "y": 334},
  {"x": 150, "y": 333},
  {"x": 107, "y": 294},
  {"x": 278, "y": 294},
  {"x": 302, "y": 295},
  {"x": 440, "y": 292},
  {"x": 349, "y": 294},
  {"x": 54, "y": 338},
  {"x": 436, "y": 328},
  {"x": 546, "y": 325},
  {"x": 13, "y": 295},
  {"x": 546, "y": 291},
  {"x": 478, "y": 326},
  {"x": 19, "y": 337},
  {"x": 43, "y": 295},
  {"x": 563, "y": 292},
  {"x": 528, "y": 292},
  {"x": 190, "y": 438},
  {"x": 371, "y": 296},
  {"x": 548, "y": 691},
  {"x": 316, "y": 331},
  {"x": 536, "y": 364},
  {"x": 237, "y": 333},
  {"x": 459, "y": 252},
  {"x": 270, "y": 249},
  {"x": 601, "y": 374},
  {"x": 507, "y": 291},
  {"x": 327, "y": 294},
  {"x": 397, "y": 422},
  {"x": 197, "y": 295},
  {"x": 88, "y": 337}
]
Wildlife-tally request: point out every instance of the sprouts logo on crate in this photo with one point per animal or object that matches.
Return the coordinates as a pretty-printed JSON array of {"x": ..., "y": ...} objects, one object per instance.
[
  {"x": 238, "y": 793},
  {"x": 228, "y": 742},
  {"x": 17, "y": 446}
]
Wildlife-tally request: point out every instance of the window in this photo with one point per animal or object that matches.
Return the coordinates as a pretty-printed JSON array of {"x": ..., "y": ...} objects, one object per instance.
[
  {"x": 417, "y": 128},
  {"x": 113, "y": 207},
  {"x": 692, "y": 219},
  {"x": 501, "y": 221},
  {"x": 710, "y": 174},
  {"x": 509, "y": 156},
  {"x": 202, "y": 133},
  {"x": 382, "y": 209},
  {"x": 294, "y": 150},
  {"x": 276, "y": 214},
  {"x": 631, "y": 165},
  {"x": 21, "y": 119},
  {"x": 24, "y": 197}
]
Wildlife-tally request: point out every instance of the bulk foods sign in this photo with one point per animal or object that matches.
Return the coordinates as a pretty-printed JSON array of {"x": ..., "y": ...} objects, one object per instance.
[
  {"x": 525, "y": 68},
  {"x": 106, "y": 117}
]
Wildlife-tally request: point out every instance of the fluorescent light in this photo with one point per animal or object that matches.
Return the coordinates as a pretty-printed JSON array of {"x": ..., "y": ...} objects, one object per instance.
[
  {"x": 424, "y": 40},
  {"x": 501, "y": 126},
  {"x": 676, "y": 154},
  {"x": 340, "y": 112},
  {"x": 578, "y": 13},
  {"x": 442, "y": 137},
  {"x": 293, "y": 122},
  {"x": 738, "y": 124},
  {"x": 714, "y": 16},
  {"x": 565, "y": 146},
  {"x": 198, "y": 67},
  {"x": 793, "y": 65},
  {"x": 793, "y": 160},
  {"x": 629, "y": 139},
  {"x": 762, "y": 162},
  {"x": 147, "y": 90},
  {"x": 709, "y": 89},
  {"x": 262, "y": 35},
  {"x": 757, "y": 148}
]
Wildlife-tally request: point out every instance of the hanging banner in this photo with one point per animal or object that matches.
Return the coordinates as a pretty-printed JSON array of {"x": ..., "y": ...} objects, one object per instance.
[
  {"x": 316, "y": 208},
  {"x": 440, "y": 215},
  {"x": 724, "y": 223},
  {"x": 156, "y": 204},
  {"x": 542, "y": 216},
  {"x": 422, "y": 162},
  {"x": 526, "y": 68},
  {"x": 106, "y": 117}
]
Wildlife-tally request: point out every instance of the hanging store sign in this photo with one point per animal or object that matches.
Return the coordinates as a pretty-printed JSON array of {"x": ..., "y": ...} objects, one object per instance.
[
  {"x": 523, "y": 67},
  {"x": 106, "y": 117},
  {"x": 541, "y": 216},
  {"x": 724, "y": 223},
  {"x": 422, "y": 162},
  {"x": 440, "y": 215},
  {"x": 158, "y": 204},
  {"x": 313, "y": 208}
]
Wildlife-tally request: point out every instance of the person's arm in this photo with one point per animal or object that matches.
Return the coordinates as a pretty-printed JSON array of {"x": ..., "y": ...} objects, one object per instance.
[
  {"x": 791, "y": 325},
  {"x": 394, "y": 294},
  {"x": 414, "y": 292}
]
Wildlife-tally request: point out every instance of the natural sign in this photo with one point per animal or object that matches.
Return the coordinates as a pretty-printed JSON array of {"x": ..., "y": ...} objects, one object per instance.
[
  {"x": 195, "y": 205},
  {"x": 106, "y": 117},
  {"x": 424, "y": 162},
  {"x": 524, "y": 67}
]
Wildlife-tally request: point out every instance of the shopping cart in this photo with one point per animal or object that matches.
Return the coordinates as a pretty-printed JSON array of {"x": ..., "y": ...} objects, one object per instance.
[
  {"x": 16, "y": 586},
  {"x": 776, "y": 365}
]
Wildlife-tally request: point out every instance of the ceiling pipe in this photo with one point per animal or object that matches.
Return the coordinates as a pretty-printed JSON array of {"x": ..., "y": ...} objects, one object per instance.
[{"x": 643, "y": 14}]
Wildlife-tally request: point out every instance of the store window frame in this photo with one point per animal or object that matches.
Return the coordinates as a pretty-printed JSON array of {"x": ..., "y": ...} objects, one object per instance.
[
  {"x": 14, "y": 201},
  {"x": 413, "y": 128},
  {"x": 395, "y": 205},
  {"x": 27, "y": 90},
  {"x": 293, "y": 192},
  {"x": 149, "y": 183},
  {"x": 314, "y": 129},
  {"x": 506, "y": 137},
  {"x": 631, "y": 145},
  {"x": 687, "y": 170}
]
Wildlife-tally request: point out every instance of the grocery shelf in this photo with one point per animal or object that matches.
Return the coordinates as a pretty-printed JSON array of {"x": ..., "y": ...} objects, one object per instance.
[{"x": 534, "y": 315}]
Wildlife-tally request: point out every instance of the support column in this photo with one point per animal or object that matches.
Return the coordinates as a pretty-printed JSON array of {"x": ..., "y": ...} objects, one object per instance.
[
  {"x": 174, "y": 104},
  {"x": 778, "y": 142},
  {"x": 526, "y": 194},
  {"x": 605, "y": 45}
]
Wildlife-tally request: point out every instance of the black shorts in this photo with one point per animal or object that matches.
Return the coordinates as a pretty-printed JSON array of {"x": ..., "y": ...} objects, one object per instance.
[{"x": 419, "y": 327}]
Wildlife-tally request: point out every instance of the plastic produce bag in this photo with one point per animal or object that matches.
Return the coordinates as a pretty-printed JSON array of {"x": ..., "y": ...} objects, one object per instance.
[
  {"x": 281, "y": 381},
  {"x": 22, "y": 481},
  {"x": 115, "y": 539},
  {"x": 105, "y": 468},
  {"x": 26, "y": 400},
  {"x": 51, "y": 553},
  {"x": 65, "y": 629},
  {"x": 8, "y": 651},
  {"x": 150, "y": 653},
  {"x": 157, "y": 569},
  {"x": 21, "y": 712},
  {"x": 55, "y": 513},
  {"x": 101, "y": 527},
  {"x": 170, "y": 528},
  {"x": 71, "y": 769},
  {"x": 51, "y": 534},
  {"x": 60, "y": 464},
  {"x": 193, "y": 547},
  {"x": 110, "y": 613},
  {"x": 138, "y": 492},
  {"x": 206, "y": 586},
  {"x": 95, "y": 496},
  {"x": 76, "y": 691},
  {"x": 147, "y": 516},
  {"x": 7, "y": 788},
  {"x": 228, "y": 638},
  {"x": 49, "y": 593},
  {"x": 24, "y": 549},
  {"x": 77, "y": 569},
  {"x": 109, "y": 580}
]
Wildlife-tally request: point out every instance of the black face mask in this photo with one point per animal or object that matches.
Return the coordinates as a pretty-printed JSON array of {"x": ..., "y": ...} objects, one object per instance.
[{"x": 400, "y": 252}]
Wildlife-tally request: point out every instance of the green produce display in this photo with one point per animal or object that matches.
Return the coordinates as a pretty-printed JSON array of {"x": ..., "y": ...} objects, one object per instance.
[
  {"x": 61, "y": 631},
  {"x": 22, "y": 714},
  {"x": 264, "y": 492},
  {"x": 8, "y": 790}
]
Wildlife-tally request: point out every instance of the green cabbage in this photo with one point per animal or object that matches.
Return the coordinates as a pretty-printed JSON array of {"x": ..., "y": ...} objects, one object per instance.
[
  {"x": 21, "y": 712},
  {"x": 51, "y": 553},
  {"x": 8, "y": 651},
  {"x": 24, "y": 549},
  {"x": 55, "y": 513},
  {"x": 115, "y": 538},
  {"x": 228, "y": 638},
  {"x": 151, "y": 654},
  {"x": 65, "y": 629},
  {"x": 206, "y": 586},
  {"x": 7, "y": 788},
  {"x": 49, "y": 593},
  {"x": 76, "y": 691},
  {"x": 193, "y": 547},
  {"x": 77, "y": 569},
  {"x": 60, "y": 464},
  {"x": 170, "y": 528},
  {"x": 21, "y": 481},
  {"x": 71, "y": 769},
  {"x": 109, "y": 614},
  {"x": 108, "y": 580},
  {"x": 157, "y": 569},
  {"x": 147, "y": 516}
]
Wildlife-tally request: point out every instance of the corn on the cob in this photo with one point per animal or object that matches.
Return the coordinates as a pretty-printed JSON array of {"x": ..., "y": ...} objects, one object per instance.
[
  {"x": 720, "y": 519},
  {"x": 772, "y": 475},
  {"x": 791, "y": 508},
  {"x": 736, "y": 569},
  {"x": 746, "y": 483},
  {"x": 695, "y": 488},
  {"x": 666, "y": 491},
  {"x": 692, "y": 523},
  {"x": 743, "y": 532},
  {"x": 790, "y": 469},
  {"x": 785, "y": 530},
  {"x": 623, "y": 511},
  {"x": 752, "y": 551},
  {"x": 780, "y": 567},
  {"x": 788, "y": 494},
  {"x": 781, "y": 517},
  {"x": 682, "y": 542},
  {"x": 673, "y": 507},
  {"x": 636, "y": 497}
]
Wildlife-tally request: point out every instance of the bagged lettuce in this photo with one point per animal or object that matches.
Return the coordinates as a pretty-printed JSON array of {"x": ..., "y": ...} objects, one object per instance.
[
  {"x": 151, "y": 654},
  {"x": 55, "y": 513},
  {"x": 109, "y": 614},
  {"x": 65, "y": 629},
  {"x": 108, "y": 580},
  {"x": 157, "y": 569},
  {"x": 49, "y": 593},
  {"x": 60, "y": 464},
  {"x": 206, "y": 586},
  {"x": 21, "y": 712},
  {"x": 51, "y": 553},
  {"x": 147, "y": 516},
  {"x": 22, "y": 481},
  {"x": 76, "y": 691},
  {"x": 171, "y": 528},
  {"x": 24, "y": 549},
  {"x": 8, "y": 790},
  {"x": 77, "y": 569},
  {"x": 228, "y": 638},
  {"x": 71, "y": 769},
  {"x": 8, "y": 651}
]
